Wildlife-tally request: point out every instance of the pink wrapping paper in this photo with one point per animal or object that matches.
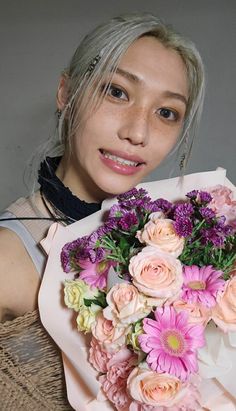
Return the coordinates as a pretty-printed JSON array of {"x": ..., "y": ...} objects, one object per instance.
[{"x": 218, "y": 394}]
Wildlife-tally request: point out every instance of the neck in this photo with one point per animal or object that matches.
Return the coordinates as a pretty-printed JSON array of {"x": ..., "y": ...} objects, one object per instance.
[
  {"x": 63, "y": 202},
  {"x": 78, "y": 183}
]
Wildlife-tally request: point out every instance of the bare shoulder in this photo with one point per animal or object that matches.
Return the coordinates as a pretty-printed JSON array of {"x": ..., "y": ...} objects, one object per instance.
[{"x": 19, "y": 280}]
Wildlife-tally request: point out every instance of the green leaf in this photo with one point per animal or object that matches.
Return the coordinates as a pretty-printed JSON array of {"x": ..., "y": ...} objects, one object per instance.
[{"x": 100, "y": 300}]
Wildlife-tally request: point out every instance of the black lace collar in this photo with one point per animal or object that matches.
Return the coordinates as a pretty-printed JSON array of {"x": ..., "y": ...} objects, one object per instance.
[{"x": 59, "y": 196}]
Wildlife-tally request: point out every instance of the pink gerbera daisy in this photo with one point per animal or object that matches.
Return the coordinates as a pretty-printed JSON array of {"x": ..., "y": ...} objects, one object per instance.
[
  {"x": 94, "y": 274},
  {"x": 171, "y": 342},
  {"x": 201, "y": 284}
]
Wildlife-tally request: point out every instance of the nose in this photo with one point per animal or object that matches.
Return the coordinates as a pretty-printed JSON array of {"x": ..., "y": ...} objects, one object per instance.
[{"x": 135, "y": 126}]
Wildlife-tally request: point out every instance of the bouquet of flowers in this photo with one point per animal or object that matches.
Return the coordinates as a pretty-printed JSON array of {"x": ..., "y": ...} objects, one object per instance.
[{"x": 147, "y": 284}]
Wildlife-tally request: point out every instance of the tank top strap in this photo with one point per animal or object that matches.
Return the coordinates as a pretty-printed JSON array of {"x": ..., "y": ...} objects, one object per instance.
[{"x": 30, "y": 244}]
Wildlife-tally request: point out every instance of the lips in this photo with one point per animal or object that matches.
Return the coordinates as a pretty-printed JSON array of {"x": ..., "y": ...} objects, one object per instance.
[
  {"x": 121, "y": 162},
  {"x": 123, "y": 156}
]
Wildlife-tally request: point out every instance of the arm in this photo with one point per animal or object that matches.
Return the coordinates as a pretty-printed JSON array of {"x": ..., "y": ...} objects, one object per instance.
[{"x": 19, "y": 280}]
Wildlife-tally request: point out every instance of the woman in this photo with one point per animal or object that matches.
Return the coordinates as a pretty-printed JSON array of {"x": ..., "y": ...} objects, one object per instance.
[{"x": 131, "y": 94}]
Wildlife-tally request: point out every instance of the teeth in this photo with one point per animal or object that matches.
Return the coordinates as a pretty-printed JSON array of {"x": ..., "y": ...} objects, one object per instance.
[{"x": 120, "y": 160}]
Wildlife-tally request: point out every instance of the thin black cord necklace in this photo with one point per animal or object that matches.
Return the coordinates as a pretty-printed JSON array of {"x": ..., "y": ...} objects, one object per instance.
[
  {"x": 58, "y": 199},
  {"x": 64, "y": 206},
  {"x": 58, "y": 216}
]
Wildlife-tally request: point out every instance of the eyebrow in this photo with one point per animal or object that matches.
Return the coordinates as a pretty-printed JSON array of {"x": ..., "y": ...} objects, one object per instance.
[
  {"x": 128, "y": 75},
  {"x": 177, "y": 96},
  {"x": 168, "y": 94}
]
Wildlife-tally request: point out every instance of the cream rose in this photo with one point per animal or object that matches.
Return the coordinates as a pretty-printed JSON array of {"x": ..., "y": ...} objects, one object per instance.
[
  {"x": 156, "y": 274},
  {"x": 198, "y": 314},
  {"x": 224, "y": 312},
  {"x": 74, "y": 292},
  {"x": 125, "y": 304},
  {"x": 154, "y": 389},
  {"x": 86, "y": 317},
  {"x": 160, "y": 232},
  {"x": 109, "y": 336}
]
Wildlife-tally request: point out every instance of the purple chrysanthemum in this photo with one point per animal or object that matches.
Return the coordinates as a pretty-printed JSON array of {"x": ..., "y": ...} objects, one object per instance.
[
  {"x": 112, "y": 224},
  {"x": 171, "y": 342},
  {"x": 192, "y": 194},
  {"x": 163, "y": 205},
  {"x": 216, "y": 237},
  {"x": 134, "y": 192},
  {"x": 116, "y": 211},
  {"x": 183, "y": 210},
  {"x": 201, "y": 285},
  {"x": 127, "y": 221},
  {"x": 221, "y": 227},
  {"x": 205, "y": 197},
  {"x": 65, "y": 259},
  {"x": 183, "y": 227},
  {"x": 207, "y": 213},
  {"x": 104, "y": 230},
  {"x": 69, "y": 251}
]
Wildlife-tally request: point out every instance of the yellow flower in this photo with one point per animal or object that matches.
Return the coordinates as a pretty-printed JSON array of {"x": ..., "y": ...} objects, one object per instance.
[
  {"x": 74, "y": 292},
  {"x": 87, "y": 316}
]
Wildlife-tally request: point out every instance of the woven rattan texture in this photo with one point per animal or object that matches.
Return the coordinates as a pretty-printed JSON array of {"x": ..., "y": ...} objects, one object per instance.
[{"x": 31, "y": 371}]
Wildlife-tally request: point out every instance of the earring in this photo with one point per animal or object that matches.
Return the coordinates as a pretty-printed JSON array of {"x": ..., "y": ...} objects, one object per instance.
[
  {"x": 185, "y": 154},
  {"x": 182, "y": 162},
  {"x": 58, "y": 113}
]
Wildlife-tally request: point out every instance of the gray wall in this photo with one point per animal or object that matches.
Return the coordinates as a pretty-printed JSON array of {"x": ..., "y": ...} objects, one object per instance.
[{"x": 37, "y": 37}]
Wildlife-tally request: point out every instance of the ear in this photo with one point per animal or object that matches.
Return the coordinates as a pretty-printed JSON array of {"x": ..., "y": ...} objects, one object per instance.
[{"x": 62, "y": 92}]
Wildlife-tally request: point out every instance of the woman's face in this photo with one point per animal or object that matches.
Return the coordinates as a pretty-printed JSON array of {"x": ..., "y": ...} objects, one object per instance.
[{"x": 134, "y": 128}]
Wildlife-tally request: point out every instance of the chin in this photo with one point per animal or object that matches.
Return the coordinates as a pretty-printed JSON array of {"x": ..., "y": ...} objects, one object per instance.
[{"x": 116, "y": 186}]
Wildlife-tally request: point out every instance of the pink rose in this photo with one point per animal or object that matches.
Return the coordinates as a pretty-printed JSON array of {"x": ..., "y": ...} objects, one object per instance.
[
  {"x": 222, "y": 202},
  {"x": 98, "y": 357},
  {"x": 160, "y": 392},
  {"x": 111, "y": 338},
  {"x": 125, "y": 304},
  {"x": 160, "y": 232},
  {"x": 156, "y": 274},
  {"x": 224, "y": 312},
  {"x": 114, "y": 383},
  {"x": 198, "y": 313}
]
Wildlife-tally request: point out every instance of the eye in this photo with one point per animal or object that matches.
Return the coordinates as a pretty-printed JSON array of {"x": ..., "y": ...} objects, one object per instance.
[
  {"x": 116, "y": 92},
  {"x": 168, "y": 114}
]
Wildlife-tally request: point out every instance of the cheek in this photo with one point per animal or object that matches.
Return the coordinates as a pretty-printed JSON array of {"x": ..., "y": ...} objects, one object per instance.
[{"x": 161, "y": 143}]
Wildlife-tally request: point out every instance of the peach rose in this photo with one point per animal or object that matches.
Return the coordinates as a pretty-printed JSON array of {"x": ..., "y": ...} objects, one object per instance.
[
  {"x": 156, "y": 274},
  {"x": 151, "y": 388},
  {"x": 160, "y": 232},
  {"x": 111, "y": 338},
  {"x": 125, "y": 304},
  {"x": 198, "y": 314},
  {"x": 224, "y": 312}
]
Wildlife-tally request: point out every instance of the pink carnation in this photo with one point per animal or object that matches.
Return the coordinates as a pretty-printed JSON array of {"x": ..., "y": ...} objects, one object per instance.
[
  {"x": 201, "y": 285},
  {"x": 114, "y": 382},
  {"x": 222, "y": 203},
  {"x": 98, "y": 357}
]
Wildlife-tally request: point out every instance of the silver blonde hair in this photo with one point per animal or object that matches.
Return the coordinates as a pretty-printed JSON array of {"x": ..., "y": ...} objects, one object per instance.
[{"x": 95, "y": 61}]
